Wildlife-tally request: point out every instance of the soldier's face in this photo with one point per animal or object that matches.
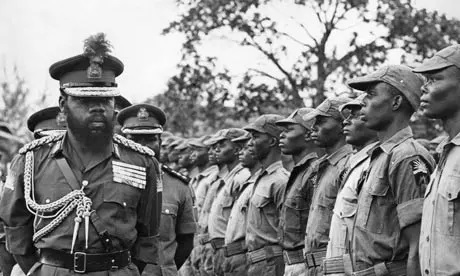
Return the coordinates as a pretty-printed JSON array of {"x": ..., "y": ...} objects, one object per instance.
[
  {"x": 260, "y": 144},
  {"x": 327, "y": 131},
  {"x": 246, "y": 157},
  {"x": 293, "y": 139},
  {"x": 226, "y": 151},
  {"x": 377, "y": 110},
  {"x": 89, "y": 116},
  {"x": 212, "y": 155},
  {"x": 199, "y": 156},
  {"x": 355, "y": 131},
  {"x": 184, "y": 158},
  {"x": 441, "y": 93},
  {"x": 152, "y": 141}
]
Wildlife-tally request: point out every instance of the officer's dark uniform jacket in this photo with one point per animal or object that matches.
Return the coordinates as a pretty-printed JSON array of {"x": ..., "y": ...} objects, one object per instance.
[
  {"x": 177, "y": 217},
  {"x": 123, "y": 205}
]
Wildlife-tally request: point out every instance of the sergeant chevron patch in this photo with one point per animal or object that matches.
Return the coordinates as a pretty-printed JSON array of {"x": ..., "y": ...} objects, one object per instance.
[{"x": 132, "y": 175}]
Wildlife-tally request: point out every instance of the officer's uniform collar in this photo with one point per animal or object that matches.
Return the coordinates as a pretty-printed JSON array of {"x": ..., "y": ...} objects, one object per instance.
[
  {"x": 396, "y": 139},
  {"x": 59, "y": 148}
]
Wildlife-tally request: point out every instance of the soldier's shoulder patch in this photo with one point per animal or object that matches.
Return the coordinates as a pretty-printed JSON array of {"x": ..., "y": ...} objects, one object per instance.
[
  {"x": 418, "y": 166},
  {"x": 420, "y": 172},
  {"x": 176, "y": 174}
]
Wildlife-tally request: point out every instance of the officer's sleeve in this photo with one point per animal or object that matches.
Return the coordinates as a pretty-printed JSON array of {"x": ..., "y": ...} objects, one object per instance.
[
  {"x": 186, "y": 223},
  {"x": 409, "y": 180},
  {"x": 13, "y": 211},
  {"x": 147, "y": 243}
]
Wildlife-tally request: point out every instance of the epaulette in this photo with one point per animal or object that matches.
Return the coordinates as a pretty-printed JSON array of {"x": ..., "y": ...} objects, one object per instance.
[
  {"x": 176, "y": 174},
  {"x": 40, "y": 142},
  {"x": 133, "y": 145}
]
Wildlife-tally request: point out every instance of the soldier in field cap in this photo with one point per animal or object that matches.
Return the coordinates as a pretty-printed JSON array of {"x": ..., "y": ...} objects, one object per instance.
[
  {"x": 47, "y": 121},
  {"x": 83, "y": 201},
  {"x": 390, "y": 194},
  {"x": 143, "y": 123},
  {"x": 439, "y": 238},
  {"x": 327, "y": 132},
  {"x": 265, "y": 255}
]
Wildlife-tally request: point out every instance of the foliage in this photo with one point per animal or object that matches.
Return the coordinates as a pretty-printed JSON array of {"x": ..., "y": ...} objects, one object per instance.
[{"x": 331, "y": 41}]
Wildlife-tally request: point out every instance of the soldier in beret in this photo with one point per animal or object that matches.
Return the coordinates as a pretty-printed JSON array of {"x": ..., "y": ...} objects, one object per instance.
[
  {"x": 84, "y": 201},
  {"x": 144, "y": 123}
]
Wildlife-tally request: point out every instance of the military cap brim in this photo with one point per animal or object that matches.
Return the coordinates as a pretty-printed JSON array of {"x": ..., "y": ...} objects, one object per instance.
[
  {"x": 45, "y": 119},
  {"x": 128, "y": 116},
  {"x": 121, "y": 102},
  {"x": 73, "y": 77}
]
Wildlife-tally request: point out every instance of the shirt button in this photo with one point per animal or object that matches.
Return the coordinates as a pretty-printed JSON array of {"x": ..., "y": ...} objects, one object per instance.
[
  {"x": 427, "y": 238},
  {"x": 341, "y": 214},
  {"x": 84, "y": 183},
  {"x": 449, "y": 195},
  {"x": 47, "y": 200},
  {"x": 167, "y": 211},
  {"x": 124, "y": 204},
  {"x": 427, "y": 271}
]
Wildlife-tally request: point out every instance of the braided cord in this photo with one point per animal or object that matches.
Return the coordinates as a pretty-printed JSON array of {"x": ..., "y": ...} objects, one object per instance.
[
  {"x": 64, "y": 206},
  {"x": 133, "y": 145}
]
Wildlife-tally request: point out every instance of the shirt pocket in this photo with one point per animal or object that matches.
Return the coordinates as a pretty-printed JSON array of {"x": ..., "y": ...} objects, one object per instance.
[
  {"x": 348, "y": 209},
  {"x": 168, "y": 221},
  {"x": 380, "y": 215},
  {"x": 451, "y": 193},
  {"x": 119, "y": 208},
  {"x": 325, "y": 207},
  {"x": 296, "y": 215},
  {"x": 264, "y": 207},
  {"x": 227, "y": 204}
]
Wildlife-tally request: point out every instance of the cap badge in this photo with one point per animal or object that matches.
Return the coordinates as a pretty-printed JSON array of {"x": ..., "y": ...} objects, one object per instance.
[
  {"x": 142, "y": 114},
  {"x": 61, "y": 119},
  {"x": 94, "y": 70},
  {"x": 96, "y": 48}
]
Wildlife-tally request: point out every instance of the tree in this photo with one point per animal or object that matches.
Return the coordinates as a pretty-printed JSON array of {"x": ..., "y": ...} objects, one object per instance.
[
  {"x": 195, "y": 99},
  {"x": 345, "y": 39}
]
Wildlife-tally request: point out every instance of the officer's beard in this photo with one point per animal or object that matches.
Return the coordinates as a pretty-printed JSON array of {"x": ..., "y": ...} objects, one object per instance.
[{"x": 94, "y": 132}]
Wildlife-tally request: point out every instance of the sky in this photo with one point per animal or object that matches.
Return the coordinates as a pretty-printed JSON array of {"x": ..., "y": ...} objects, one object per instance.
[{"x": 35, "y": 34}]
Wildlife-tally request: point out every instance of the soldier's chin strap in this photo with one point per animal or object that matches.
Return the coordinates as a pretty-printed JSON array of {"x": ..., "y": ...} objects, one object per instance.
[{"x": 92, "y": 216}]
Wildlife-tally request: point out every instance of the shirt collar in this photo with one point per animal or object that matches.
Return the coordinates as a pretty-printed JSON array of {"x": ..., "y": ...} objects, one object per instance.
[
  {"x": 306, "y": 159},
  {"x": 361, "y": 155},
  {"x": 274, "y": 166},
  {"x": 335, "y": 157},
  {"x": 59, "y": 148},
  {"x": 455, "y": 141},
  {"x": 396, "y": 139}
]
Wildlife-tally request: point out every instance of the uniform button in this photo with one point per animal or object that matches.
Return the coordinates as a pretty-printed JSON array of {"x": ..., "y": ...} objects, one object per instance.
[
  {"x": 47, "y": 200},
  {"x": 167, "y": 211},
  {"x": 84, "y": 182},
  {"x": 449, "y": 195},
  {"x": 427, "y": 238},
  {"x": 341, "y": 214},
  {"x": 113, "y": 261},
  {"x": 427, "y": 271},
  {"x": 124, "y": 203}
]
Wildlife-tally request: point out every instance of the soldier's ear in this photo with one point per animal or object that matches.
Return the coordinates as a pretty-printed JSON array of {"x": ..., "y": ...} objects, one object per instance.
[{"x": 62, "y": 102}]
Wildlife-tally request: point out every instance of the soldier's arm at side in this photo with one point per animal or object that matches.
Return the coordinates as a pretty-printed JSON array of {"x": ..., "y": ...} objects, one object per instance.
[
  {"x": 409, "y": 186},
  {"x": 184, "y": 248},
  {"x": 185, "y": 228},
  {"x": 18, "y": 220},
  {"x": 145, "y": 249}
]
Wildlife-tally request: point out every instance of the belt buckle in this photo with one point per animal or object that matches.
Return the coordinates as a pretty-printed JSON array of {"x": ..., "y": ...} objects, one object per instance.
[{"x": 77, "y": 262}]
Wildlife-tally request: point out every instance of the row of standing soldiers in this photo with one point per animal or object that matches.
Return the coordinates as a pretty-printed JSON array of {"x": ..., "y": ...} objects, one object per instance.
[{"x": 362, "y": 196}]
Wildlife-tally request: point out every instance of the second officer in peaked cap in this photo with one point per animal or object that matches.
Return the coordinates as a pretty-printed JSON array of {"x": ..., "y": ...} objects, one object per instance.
[{"x": 143, "y": 123}]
